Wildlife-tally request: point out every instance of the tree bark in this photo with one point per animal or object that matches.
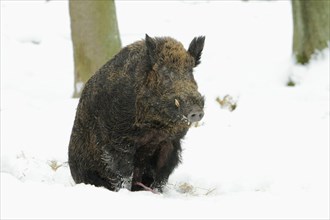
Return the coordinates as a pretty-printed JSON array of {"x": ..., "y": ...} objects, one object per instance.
[
  {"x": 311, "y": 27},
  {"x": 95, "y": 37}
]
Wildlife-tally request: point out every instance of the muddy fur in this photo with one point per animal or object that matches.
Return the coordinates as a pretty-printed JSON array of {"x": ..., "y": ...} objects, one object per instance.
[{"x": 132, "y": 115}]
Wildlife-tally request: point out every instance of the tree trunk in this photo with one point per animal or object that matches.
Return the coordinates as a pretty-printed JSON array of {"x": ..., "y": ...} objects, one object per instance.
[
  {"x": 95, "y": 37},
  {"x": 311, "y": 27}
]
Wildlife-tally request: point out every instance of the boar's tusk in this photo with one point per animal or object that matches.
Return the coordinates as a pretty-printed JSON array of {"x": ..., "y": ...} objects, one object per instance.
[{"x": 177, "y": 103}]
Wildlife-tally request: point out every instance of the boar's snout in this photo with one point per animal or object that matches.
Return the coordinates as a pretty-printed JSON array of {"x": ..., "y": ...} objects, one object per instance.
[{"x": 196, "y": 114}]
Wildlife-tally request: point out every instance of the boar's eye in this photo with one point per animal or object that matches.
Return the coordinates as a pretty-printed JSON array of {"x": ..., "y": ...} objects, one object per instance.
[{"x": 168, "y": 76}]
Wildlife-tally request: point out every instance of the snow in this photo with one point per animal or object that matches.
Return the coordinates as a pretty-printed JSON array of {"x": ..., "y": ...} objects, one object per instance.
[{"x": 269, "y": 158}]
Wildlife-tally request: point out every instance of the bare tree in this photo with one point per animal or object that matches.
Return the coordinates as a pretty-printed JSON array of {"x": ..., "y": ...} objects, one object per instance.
[
  {"x": 95, "y": 37},
  {"x": 311, "y": 27}
]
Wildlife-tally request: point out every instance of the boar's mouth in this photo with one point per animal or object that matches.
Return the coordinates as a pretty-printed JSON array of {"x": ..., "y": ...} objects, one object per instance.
[
  {"x": 164, "y": 121},
  {"x": 172, "y": 115}
]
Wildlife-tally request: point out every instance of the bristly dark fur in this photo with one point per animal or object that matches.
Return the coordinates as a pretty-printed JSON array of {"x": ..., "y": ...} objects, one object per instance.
[{"x": 132, "y": 115}]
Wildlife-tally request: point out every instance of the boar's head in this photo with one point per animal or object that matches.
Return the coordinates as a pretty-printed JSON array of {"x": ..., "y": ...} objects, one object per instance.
[{"x": 167, "y": 94}]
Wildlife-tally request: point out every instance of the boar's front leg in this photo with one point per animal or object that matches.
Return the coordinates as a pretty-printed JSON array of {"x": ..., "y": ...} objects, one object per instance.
[
  {"x": 168, "y": 159},
  {"x": 118, "y": 165}
]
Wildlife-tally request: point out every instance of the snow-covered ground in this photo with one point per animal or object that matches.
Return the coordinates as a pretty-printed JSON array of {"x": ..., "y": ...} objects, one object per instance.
[{"x": 269, "y": 158}]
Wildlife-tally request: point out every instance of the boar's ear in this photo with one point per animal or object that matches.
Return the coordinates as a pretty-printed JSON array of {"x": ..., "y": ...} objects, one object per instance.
[
  {"x": 151, "y": 48},
  {"x": 195, "y": 48}
]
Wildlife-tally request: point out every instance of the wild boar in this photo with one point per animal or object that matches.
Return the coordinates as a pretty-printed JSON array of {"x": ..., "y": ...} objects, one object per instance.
[{"x": 133, "y": 113}]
